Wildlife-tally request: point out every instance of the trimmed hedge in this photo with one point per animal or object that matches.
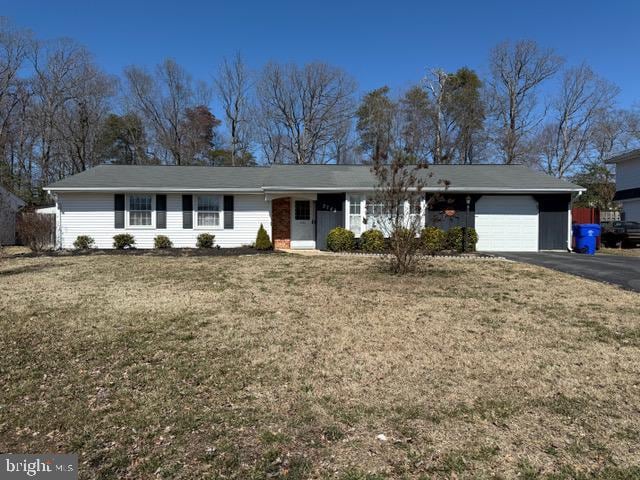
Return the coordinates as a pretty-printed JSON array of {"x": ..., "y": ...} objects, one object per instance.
[
  {"x": 263, "y": 242},
  {"x": 205, "y": 240},
  {"x": 455, "y": 239},
  {"x": 340, "y": 240},
  {"x": 83, "y": 242},
  {"x": 123, "y": 240},
  {"x": 372, "y": 241},
  {"x": 433, "y": 239},
  {"x": 162, "y": 241}
]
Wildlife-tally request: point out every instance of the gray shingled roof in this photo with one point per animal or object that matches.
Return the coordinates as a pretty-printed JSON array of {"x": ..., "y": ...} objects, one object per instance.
[
  {"x": 164, "y": 177},
  {"x": 623, "y": 156},
  {"x": 478, "y": 178}
]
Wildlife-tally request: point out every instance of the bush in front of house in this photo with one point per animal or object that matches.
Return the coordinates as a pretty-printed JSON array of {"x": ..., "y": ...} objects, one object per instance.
[
  {"x": 372, "y": 241},
  {"x": 35, "y": 230},
  {"x": 263, "y": 242},
  {"x": 123, "y": 240},
  {"x": 205, "y": 240},
  {"x": 340, "y": 240},
  {"x": 455, "y": 241},
  {"x": 83, "y": 242},
  {"x": 406, "y": 236},
  {"x": 433, "y": 239},
  {"x": 162, "y": 241}
]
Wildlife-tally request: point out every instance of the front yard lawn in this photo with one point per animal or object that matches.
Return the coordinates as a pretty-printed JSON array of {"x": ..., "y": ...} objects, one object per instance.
[
  {"x": 282, "y": 366},
  {"x": 625, "y": 252}
]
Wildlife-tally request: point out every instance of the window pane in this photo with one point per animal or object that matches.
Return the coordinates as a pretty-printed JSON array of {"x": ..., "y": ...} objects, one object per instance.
[
  {"x": 354, "y": 204},
  {"x": 302, "y": 210},
  {"x": 208, "y": 219},
  {"x": 375, "y": 209},
  {"x": 140, "y": 203},
  {"x": 139, "y": 218},
  {"x": 355, "y": 224},
  {"x": 209, "y": 203},
  {"x": 140, "y": 210}
]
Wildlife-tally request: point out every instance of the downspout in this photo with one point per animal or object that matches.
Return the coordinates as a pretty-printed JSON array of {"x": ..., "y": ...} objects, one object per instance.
[
  {"x": 569, "y": 218},
  {"x": 58, "y": 220}
]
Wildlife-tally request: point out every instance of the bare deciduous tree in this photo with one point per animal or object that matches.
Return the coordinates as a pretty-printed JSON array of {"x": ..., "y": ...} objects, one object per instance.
[
  {"x": 566, "y": 139},
  {"x": 233, "y": 85},
  {"x": 613, "y": 130},
  {"x": 81, "y": 118},
  {"x": 400, "y": 193},
  {"x": 14, "y": 48},
  {"x": 517, "y": 70},
  {"x": 162, "y": 101},
  {"x": 300, "y": 109},
  {"x": 442, "y": 121},
  {"x": 69, "y": 96}
]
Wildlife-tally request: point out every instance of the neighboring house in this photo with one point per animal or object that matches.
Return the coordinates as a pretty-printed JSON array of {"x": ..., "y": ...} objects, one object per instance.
[
  {"x": 628, "y": 183},
  {"x": 9, "y": 206},
  {"x": 512, "y": 207}
]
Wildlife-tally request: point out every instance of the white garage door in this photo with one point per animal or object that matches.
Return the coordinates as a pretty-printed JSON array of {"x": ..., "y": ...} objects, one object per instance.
[{"x": 507, "y": 223}]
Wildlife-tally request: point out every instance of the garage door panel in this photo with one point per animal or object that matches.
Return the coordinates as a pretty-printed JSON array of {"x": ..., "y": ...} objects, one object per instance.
[{"x": 507, "y": 223}]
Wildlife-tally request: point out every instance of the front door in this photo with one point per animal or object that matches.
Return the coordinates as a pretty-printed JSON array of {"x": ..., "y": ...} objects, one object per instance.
[{"x": 303, "y": 228}]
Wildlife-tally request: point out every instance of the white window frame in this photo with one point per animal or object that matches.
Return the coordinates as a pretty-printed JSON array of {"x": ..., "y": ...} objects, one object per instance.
[
  {"x": 422, "y": 214},
  {"x": 127, "y": 204},
  {"x": 220, "y": 225},
  {"x": 362, "y": 201},
  {"x": 363, "y": 211}
]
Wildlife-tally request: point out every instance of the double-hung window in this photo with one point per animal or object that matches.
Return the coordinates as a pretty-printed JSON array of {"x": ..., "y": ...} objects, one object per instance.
[
  {"x": 375, "y": 209},
  {"x": 140, "y": 210},
  {"x": 208, "y": 210},
  {"x": 355, "y": 214}
]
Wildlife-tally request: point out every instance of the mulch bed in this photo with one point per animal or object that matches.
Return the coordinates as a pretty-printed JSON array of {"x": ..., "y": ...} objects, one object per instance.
[
  {"x": 421, "y": 255},
  {"x": 164, "y": 252}
]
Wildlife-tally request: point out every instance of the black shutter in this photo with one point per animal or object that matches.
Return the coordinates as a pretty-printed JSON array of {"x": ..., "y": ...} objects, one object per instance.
[
  {"x": 187, "y": 211},
  {"x": 161, "y": 211},
  {"x": 118, "y": 208},
  {"x": 228, "y": 211}
]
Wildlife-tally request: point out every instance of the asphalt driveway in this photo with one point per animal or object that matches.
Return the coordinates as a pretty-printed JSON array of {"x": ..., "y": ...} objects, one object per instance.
[{"x": 622, "y": 271}]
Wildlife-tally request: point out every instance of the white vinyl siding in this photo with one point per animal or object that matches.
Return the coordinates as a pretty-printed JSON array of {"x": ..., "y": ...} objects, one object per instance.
[
  {"x": 93, "y": 214},
  {"x": 507, "y": 223},
  {"x": 631, "y": 210},
  {"x": 628, "y": 174}
]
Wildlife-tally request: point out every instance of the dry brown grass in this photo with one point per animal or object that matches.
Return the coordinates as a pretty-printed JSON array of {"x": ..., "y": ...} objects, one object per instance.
[
  {"x": 625, "y": 252},
  {"x": 269, "y": 366},
  {"x": 11, "y": 250}
]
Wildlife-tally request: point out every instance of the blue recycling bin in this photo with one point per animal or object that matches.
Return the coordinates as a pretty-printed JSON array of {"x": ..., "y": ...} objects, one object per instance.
[{"x": 585, "y": 235}]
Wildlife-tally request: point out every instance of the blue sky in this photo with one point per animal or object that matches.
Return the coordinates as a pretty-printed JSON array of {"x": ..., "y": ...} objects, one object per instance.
[{"x": 377, "y": 42}]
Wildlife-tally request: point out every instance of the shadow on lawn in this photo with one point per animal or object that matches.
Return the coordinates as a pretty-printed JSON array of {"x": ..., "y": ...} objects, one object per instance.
[{"x": 30, "y": 269}]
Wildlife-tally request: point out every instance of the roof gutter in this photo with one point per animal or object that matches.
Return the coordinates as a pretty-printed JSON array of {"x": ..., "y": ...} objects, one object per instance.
[
  {"x": 310, "y": 189},
  {"x": 428, "y": 189},
  {"x": 150, "y": 189}
]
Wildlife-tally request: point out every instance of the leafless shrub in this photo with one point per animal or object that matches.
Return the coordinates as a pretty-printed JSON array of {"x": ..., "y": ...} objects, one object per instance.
[
  {"x": 35, "y": 230},
  {"x": 398, "y": 207}
]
